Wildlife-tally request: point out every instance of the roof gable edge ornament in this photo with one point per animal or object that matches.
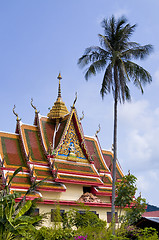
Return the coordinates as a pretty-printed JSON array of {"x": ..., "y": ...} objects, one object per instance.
[
  {"x": 41, "y": 138},
  {"x": 73, "y": 106},
  {"x": 18, "y": 119},
  {"x": 33, "y": 106},
  {"x": 100, "y": 151}
]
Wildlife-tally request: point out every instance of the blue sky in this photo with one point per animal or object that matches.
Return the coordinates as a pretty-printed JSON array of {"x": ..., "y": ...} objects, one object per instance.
[{"x": 40, "y": 38}]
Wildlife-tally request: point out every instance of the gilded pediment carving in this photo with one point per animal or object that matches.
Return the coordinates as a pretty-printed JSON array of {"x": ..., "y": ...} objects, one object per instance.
[{"x": 71, "y": 147}]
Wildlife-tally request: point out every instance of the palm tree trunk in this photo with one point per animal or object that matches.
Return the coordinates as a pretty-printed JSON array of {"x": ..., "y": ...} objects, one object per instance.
[{"x": 115, "y": 148}]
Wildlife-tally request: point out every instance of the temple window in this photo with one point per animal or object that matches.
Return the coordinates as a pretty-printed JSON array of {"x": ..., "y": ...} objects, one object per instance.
[{"x": 109, "y": 217}]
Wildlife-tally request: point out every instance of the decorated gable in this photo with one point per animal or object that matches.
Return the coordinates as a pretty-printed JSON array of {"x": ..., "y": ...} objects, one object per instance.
[{"x": 71, "y": 146}]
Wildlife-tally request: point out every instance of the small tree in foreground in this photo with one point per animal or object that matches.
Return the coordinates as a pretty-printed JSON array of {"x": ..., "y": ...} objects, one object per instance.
[{"x": 125, "y": 191}]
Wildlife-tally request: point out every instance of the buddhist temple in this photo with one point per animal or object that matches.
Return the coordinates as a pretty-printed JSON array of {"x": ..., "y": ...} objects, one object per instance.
[{"x": 74, "y": 168}]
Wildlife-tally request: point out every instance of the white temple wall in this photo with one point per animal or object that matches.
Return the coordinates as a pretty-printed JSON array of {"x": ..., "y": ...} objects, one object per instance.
[{"x": 46, "y": 208}]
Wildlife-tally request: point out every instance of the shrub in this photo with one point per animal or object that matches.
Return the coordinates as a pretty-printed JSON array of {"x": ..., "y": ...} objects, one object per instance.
[
  {"x": 46, "y": 233},
  {"x": 134, "y": 233}
]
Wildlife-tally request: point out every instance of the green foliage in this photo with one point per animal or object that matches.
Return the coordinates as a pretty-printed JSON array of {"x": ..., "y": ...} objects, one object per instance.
[
  {"x": 134, "y": 213},
  {"x": 92, "y": 233},
  {"x": 73, "y": 218},
  {"x": 148, "y": 234},
  {"x": 134, "y": 233},
  {"x": 125, "y": 190},
  {"x": 92, "y": 228},
  {"x": 69, "y": 219},
  {"x": 17, "y": 221},
  {"x": 14, "y": 223},
  {"x": 45, "y": 233},
  {"x": 89, "y": 219},
  {"x": 56, "y": 217},
  {"x": 114, "y": 56}
]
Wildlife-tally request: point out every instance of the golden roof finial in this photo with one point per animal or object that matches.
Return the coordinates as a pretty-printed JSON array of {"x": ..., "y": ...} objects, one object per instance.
[
  {"x": 59, "y": 109},
  {"x": 36, "y": 111},
  {"x": 75, "y": 100},
  {"x": 16, "y": 113},
  {"x": 59, "y": 76},
  {"x": 99, "y": 128},
  {"x": 81, "y": 118},
  {"x": 59, "y": 89}
]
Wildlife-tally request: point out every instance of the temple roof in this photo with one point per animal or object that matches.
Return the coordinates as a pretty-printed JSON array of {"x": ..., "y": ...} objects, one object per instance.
[{"x": 56, "y": 151}]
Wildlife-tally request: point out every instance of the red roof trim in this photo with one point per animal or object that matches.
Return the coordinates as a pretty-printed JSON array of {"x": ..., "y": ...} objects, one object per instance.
[
  {"x": 151, "y": 214},
  {"x": 40, "y": 188},
  {"x": 78, "y": 182},
  {"x": 82, "y": 174},
  {"x": 103, "y": 194},
  {"x": 94, "y": 191},
  {"x": 51, "y": 189},
  {"x": 75, "y": 203},
  {"x": 67, "y": 203}
]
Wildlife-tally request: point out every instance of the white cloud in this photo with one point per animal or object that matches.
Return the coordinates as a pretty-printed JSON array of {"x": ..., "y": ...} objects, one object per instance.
[
  {"x": 143, "y": 183},
  {"x": 147, "y": 183},
  {"x": 139, "y": 145}
]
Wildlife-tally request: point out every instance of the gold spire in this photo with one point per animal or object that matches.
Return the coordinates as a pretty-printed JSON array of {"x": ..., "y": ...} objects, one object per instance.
[
  {"x": 59, "y": 89},
  {"x": 59, "y": 109}
]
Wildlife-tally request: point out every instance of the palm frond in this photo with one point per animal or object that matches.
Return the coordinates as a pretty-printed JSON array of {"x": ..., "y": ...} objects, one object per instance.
[
  {"x": 124, "y": 91},
  {"x": 138, "y": 52},
  {"x": 120, "y": 22},
  {"x": 117, "y": 50},
  {"x": 105, "y": 42},
  {"x": 90, "y": 71},
  {"x": 139, "y": 75},
  {"x": 107, "y": 81},
  {"x": 92, "y": 55},
  {"x": 127, "y": 93}
]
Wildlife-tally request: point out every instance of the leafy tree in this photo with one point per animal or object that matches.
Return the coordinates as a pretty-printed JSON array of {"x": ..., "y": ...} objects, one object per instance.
[
  {"x": 125, "y": 191},
  {"x": 14, "y": 222},
  {"x": 134, "y": 213},
  {"x": 115, "y": 57}
]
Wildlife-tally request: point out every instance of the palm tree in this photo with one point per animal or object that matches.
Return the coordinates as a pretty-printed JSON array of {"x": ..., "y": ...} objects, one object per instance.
[{"x": 114, "y": 56}]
